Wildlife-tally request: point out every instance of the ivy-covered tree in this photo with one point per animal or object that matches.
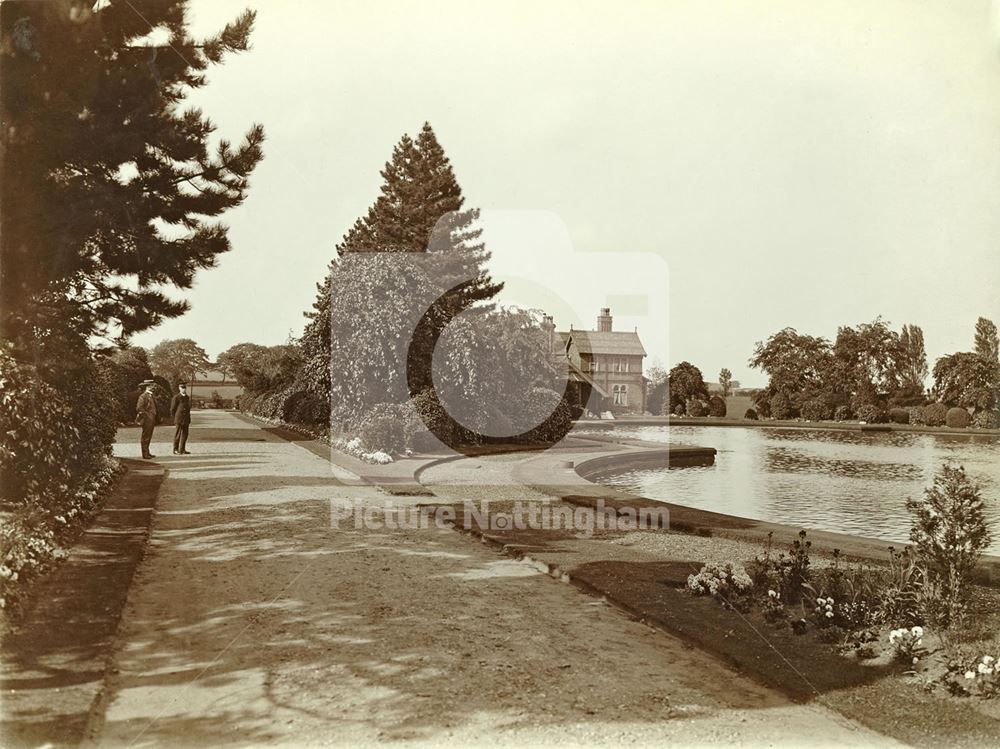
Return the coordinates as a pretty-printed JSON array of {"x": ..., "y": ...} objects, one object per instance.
[{"x": 110, "y": 183}]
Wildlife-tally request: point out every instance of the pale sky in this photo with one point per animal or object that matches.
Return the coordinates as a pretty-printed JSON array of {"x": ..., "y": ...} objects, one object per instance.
[{"x": 809, "y": 164}]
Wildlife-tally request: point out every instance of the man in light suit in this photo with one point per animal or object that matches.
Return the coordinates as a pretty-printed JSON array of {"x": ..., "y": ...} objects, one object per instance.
[
  {"x": 145, "y": 416},
  {"x": 180, "y": 410}
]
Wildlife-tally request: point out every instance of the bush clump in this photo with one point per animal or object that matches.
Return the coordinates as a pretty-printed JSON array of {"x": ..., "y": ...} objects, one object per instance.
[
  {"x": 843, "y": 413},
  {"x": 816, "y": 410},
  {"x": 935, "y": 414},
  {"x": 916, "y": 415},
  {"x": 780, "y": 406},
  {"x": 957, "y": 418},
  {"x": 872, "y": 414},
  {"x": 697, "y": 407},
  {"x": 716, "y": 406},
  {"x": 750, "y": 414},
  {"x": 899, "y": 415},
  {"x": 987, "y": 419}
]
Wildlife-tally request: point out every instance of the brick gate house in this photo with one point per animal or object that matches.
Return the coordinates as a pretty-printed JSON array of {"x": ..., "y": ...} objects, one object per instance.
[{"x": 606, "y": 364}]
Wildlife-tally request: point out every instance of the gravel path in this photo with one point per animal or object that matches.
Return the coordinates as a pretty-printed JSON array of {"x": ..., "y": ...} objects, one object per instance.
[{"x": 251, "y": 621}]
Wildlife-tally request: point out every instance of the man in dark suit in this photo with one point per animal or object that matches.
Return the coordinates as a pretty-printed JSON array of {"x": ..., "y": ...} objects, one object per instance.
[
  {"x": 180, "y": 410},
  {"x": 145, "y": 416}
]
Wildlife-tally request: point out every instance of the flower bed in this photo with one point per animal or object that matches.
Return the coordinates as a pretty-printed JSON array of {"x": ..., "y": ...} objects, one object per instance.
[{"x": 34, "y": 538}]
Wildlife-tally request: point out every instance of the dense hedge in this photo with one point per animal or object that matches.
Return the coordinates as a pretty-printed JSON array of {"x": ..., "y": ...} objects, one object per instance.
[
  {"x": 843, "y": 413},
  {"x": 872, "y": 414},
  {"x": 716, "y": 406},
  {"x": 915, "y": 415},
  {"x": 780, "y": 406},
  {"x": 987, "y": 419},
  {"x": 750, "y": 414},
  {"x": 935, "y": 414},
  {"x": 816, "y": 410},
  {"x": 55, "y": 460},
  {"x": 697, "y": 407},
  {"x": 899, "y": 415},
  {"x": 957, "y": 418}
]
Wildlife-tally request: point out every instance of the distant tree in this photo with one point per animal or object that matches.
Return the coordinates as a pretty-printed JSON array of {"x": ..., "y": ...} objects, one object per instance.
[
  {"x": 110, "y": 186},
  {"x": 685, "y": 383},
  {"x": 726, "y": 381},
  {"x": 795, "y": 363},
  {"x": 656, "y": 376},
  {"x": 178, "y": 360},
  {"x": 966, "y": 379},
  {"x": 866, "y": 362},
  {"x": 240, "y": 361},
  {"x": 913, "y": 369},
  {"x": 987, "y": 342}
]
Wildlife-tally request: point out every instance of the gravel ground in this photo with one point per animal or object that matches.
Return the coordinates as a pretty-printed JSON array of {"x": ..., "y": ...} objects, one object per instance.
[{"x": 252, "y": 621}]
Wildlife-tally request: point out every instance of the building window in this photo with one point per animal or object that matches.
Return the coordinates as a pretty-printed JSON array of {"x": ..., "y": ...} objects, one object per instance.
[{"x": 620, "y": 395}]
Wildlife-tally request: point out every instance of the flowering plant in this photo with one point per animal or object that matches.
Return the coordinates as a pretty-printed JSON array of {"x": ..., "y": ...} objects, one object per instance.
[
  {"x": 717, "y": 579},
  {"x": 907, "y": 644},
  {"x": 984, "y": 677}
]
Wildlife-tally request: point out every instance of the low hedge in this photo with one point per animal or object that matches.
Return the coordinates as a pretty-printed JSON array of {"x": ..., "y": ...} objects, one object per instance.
[
  {"x": 816, "y": 410},
  {"x": 872, "y": 414},
  {"x": 843, "y": 413},
  {"x": 750, "y": 414},
  {"x": 935, "y": 414},
  {"x": 899, "y": 415},
  {"x": 957, "y": 418},
  {"x": 987, "y": 419}
]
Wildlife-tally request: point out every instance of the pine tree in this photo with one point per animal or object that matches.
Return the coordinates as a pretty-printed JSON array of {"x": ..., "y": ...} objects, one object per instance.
[
  {"x": 420, "y": 210},
  {"x": 912, "y": 360},
  {"x": 109, "y": 183}
]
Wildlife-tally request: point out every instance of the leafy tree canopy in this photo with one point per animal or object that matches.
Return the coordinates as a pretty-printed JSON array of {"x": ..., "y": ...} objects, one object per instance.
[
  {"x": 111, "y": 183},
  {"x": 178, "y": 360}
]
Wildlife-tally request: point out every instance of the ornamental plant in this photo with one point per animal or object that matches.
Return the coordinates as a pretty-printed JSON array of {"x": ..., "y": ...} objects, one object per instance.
[
  {"x": 720, "y": 579},
  {"x": 949, "y": 532},
  {"x": 907, "y": 644},
  {"x": 983, "y": 678}
]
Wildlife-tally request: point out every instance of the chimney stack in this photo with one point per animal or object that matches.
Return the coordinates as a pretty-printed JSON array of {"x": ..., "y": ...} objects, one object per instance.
[
  {"x": 550, "y": 330},
  {"x": 604, "y": 320}
]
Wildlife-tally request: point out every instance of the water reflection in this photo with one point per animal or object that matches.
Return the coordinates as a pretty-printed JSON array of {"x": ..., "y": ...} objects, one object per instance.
[{"x": 847, "y": 481}]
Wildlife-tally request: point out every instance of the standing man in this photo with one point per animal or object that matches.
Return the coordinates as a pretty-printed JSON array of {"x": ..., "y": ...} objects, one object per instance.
[
  {"x": 180, "y": 410},
  {"x": 145, "y": 416}
]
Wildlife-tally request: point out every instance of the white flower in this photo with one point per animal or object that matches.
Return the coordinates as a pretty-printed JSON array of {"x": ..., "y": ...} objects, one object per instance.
[
  {"x": 917, "y": 631},
  {"x": 984, "y": 669},
  {"x": 771, "y": 594},
  {"x": 970, "y": 675},
  {"x": 915, "y": 659},
  {"x": 988, "y": 659},
  {"x": 829, "y": 615}
]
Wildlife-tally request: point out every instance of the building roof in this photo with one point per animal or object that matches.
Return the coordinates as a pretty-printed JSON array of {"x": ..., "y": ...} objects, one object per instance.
[{"x": 601, "y": 342}]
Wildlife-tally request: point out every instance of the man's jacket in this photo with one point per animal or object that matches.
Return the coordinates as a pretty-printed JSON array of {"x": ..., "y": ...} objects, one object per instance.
[
  {"x": 180, "y": 409},
  {"x": 145, "y": 408}
]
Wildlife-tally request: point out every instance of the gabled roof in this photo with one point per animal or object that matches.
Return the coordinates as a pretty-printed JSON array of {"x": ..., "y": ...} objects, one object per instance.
[{"x": 599, "y": 342}]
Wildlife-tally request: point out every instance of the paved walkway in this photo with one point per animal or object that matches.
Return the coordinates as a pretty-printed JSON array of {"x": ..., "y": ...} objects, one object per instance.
[{"x": 252, "y": 621}]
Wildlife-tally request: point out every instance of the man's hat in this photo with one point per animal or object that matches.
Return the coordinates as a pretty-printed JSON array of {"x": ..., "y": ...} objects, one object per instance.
[{"x": 147, "y": 383}]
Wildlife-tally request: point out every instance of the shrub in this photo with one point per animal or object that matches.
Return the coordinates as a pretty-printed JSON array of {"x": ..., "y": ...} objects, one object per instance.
[
  {"x": 987, "y": 419},
  {"x": 750, "y": 414},
  {"x": 935, "y": 414},
  {"x": 899, "y": 415},
  {"x": 916, "y": 415},
  {"x": 872, "y": 414},
  {"x": 679, "y": 409},
  {"x": 781, "y": 406},
  {"x": 843, "y": 413},
  {"x": 383, "y": 430},
  {"x": 723, "y": 580},
  {"x": 763, "y": 406},
  {"x": 559, "y": 422},
  {"x": 957, "y": 418},
  {"x": 716, "y": 406},
  {"x": 697, "y": 407},
  {"x": 949, "y": 532},
  {"x": 816, "y": 410}
]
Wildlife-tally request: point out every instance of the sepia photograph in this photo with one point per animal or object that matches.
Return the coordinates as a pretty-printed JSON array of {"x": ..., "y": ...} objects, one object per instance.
[{"x": 536, "y": 373}]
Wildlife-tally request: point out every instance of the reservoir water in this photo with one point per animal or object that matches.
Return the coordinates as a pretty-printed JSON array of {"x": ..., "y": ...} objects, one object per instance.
[{"x": 844, "y": 481}]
